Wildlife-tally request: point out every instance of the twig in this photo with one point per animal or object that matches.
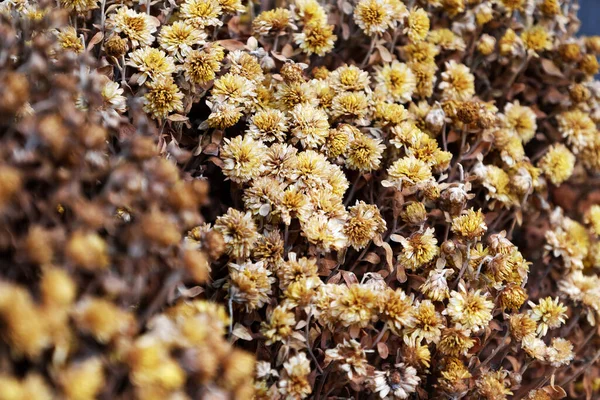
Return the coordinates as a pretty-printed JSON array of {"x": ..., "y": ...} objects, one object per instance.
[
  {"x": 308, "y": 345},
  {"x": 366, "y": 60}
]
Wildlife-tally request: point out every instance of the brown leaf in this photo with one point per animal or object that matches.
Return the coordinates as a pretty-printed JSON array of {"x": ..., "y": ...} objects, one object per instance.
[
  {"x": 241, "y": 332},
  {"x": 550, "y": 68},
  {"x": 371, "y": 258},
  {"x": 349, "y": 278},
  {"x": 97, "y": 38},
  {"x": 389, "y": 254},
  {"x": 211, "y": 149},
  {"x": 384, "y": 53},
  {"x": 232, "y": 44},
  {"x": 177, "y": 118},
  {"x": 383, "y": 350},
  {"x": 401, "y": 273}
]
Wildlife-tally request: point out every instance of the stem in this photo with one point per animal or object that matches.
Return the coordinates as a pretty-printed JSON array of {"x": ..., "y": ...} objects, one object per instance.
[
  {"x": 394, "y": 39},
  {"x": 366, "y": 60},
  {"x": 464, "y": 266},
  {"x": 308, "y": 345},
  {"x": 276, "y": 43},
  {"x": 581, "y": 370},
  {"x": 504, "y": 344},
  {"x": 380, "y": 336},
  {"x": 352, "y": 190}
]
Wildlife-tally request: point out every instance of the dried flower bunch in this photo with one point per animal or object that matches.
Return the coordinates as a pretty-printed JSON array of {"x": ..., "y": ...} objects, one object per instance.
[{"x": 217, "y": 199}]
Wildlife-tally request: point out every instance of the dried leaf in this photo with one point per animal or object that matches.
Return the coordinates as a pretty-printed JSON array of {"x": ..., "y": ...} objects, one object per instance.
[
  {"x": 177, "y": 118},
  {"x": 241, "y": 332},
  {"x": 389, "y": 254},
  {"x": 371, "y": 258},
  {"x": 97, "y": 38},
  {"x": 383, "y": 350},
  {"x": 550, "y": 68},
  {"x": 232, "y": 44},
  {"x": 384, "y": 53}
]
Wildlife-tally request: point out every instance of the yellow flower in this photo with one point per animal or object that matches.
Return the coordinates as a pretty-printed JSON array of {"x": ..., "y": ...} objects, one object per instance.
[
  {"x": 239, "y": 232},
  {"x": 137, "y": 27},
  {"x": 469, "y": 226},
  {"x": 428, "y": 323},
  {"x": 557, "y": 164},
  {"x": 152, "y": 63},
  {"x": 457, "y": 82},
  {"x": 364, "y": 154},
  {"x": 202, "y": 13},
  {"x": 471, "y": 309},
  {"x": 179, "y": 38},
  {"x": 316, "y": 38},
  {"x": 374, "y": 17},
  {"x": 242, "y": 158},
  {"x": 548, "y": 313},
  {"x": 417, "y": 25},
  {"x": 363, "y": 223},
  {"x": 163, "y": 97},
  {"x": 418, "y": 249},
  {"x": 537, "y": 39},
  {"x": 395, "y": 81}
]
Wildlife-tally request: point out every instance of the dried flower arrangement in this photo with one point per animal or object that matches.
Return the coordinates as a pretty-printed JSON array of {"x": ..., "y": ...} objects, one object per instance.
[{"x": 217, "y": 199}]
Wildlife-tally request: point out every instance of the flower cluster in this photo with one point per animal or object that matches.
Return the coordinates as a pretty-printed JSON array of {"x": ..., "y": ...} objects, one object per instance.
[{"x": 298, "y": 199}]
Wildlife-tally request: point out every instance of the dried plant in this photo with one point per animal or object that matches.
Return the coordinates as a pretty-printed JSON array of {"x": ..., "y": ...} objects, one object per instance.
[{"x": 298, "y": 199}]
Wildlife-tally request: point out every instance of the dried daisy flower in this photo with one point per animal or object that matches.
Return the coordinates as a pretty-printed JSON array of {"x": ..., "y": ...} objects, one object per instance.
[
  {"x": 279, "y": 325},
  {"x": 355, "y": 305},
  {"x": 428, "y": 323},
  {"x": 395, "y": 81},
  {"x": 325, "y": 233},
  {"x": 152, "y": 63},
  {"x": 522, "y": 326},
  {"x": 309, "y": 125},
  {"x": 409, "y": 172},
  {"x": 350, "y": 106},
  {"x": 512, "y": 297},
  {"x": 268, "y": 125},
  {"x": 435, "y": 286},
  {"x": 68, "y": 39},
  {"x": 471, "y": 309},
  {"x": 493, "y": 385},
  {"x": 263, "y": 197},
  {"x": 234, "y": 89},
  {"x": 536, "y": 39},
  {"x": 276, "y": 20},
  {"x": 349, "y": 78},
  {"x": 137, "y": 27},
  {"x": 469, "y": 226},
  {"x": 83, "y": 380},
  {"x": 201, "y": 66},
  {"x": 548, "y": 313},
  {"x": 418, "y": 249},
  {"x": 397, "y": 382},
  {"x": 350, "y": 358},
  {"x": 223, "y": 115},
  {"x": 179, "y": 38},
  {"x": 520, "y": 119},
  {"x": 560, "y": 352},
  {"x": 363, "y": 223},
  {"x": 102, "y": 319},
  {"x": 397, "y": 310},
  {"x": 249, "y": 284},
  {"x": 294, "y": 381},
  {"x": 239, "y": 232},
  {"x": 202, "y": 13},
  {"x": 457, "y": 82},
  {"x": 417, "y": 25},
  {"x": 242, "y": 158},
  {"x": 557, "y": 164},
  {"x": 374, "y": 17},
  {"x": 364, "y": 153},
  {"x": 79, "y": 6},
  {"x": 577, "y": 127},
  {"x": 455, "y": 341},
  {"x": 163, "y": 97},
  {"x": 316, "y": 38}
]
